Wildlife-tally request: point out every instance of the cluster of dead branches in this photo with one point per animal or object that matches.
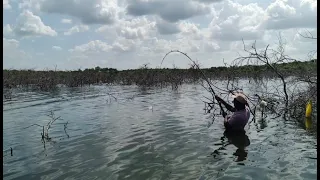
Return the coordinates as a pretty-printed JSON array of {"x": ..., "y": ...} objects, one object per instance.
[
  {"x": 270, "y": 57},
  {"x": 45, "y": 128},
  {"x": 282, "y": 97},
  {"x": 287, "y": 94}
]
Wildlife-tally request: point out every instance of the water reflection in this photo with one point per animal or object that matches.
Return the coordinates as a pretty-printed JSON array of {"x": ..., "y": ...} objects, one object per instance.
[
  {"x": 241, "y": 141},
  {"x": 123, "y": 140},
  {"x": 308, "y": 123},
  {"x": 262, "y": 123},
  {"x": 237, "y": 138}
]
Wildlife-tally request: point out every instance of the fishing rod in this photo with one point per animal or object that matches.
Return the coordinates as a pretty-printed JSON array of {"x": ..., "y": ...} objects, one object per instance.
[{"x": 206, "y": 79}]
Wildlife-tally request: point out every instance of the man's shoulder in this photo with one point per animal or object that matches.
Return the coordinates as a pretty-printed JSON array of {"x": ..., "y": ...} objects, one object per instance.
[
  {"x": 240, "y": 114},
  {"x": 244, "y": 111}
]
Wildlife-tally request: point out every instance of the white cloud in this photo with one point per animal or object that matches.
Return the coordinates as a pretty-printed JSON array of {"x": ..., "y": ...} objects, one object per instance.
[
  {"x": 29, "y": 24},
  {"x": 236, "y": 22},
  {"x": 58, "y": 48},
  {"x": 125, "y": 45},
  {"x": 31, "y": 5},
  {"x": 211, "y": 47},
  {"x": 159, "y": 47},
  {"x": 95, "y": 46},
  {"x": 279, "y": 9},
  {"x": 7, "y": 30},
  {"x": 139, "y": 31},
  {"x": 77, "y": 29},
  {"x": 66, "y": 21},
  {"x": 136, "y": 28},
  {"x": 311, "y": 3},
  {"x": 91, "y": 54},
  {"x": 13, "y": 56},
  {"x": 6, "y": 4},
  {"x": 11, "y": 43},
  {"x": 192, "y": 31},
  {"x": 285, "y": 14}
]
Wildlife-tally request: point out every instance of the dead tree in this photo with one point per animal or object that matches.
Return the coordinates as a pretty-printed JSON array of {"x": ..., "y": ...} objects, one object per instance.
[{"x": 271, "y": 58}]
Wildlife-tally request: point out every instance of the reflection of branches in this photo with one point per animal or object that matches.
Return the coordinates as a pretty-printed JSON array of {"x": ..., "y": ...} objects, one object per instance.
[
  {"x": 5, "y": 151},
  {"x": 111, "y": 96},
  {"x": 65, "y": 127}
]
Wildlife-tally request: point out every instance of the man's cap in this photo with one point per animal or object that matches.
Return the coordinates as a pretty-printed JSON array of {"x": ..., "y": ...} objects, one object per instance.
[{"x": 240, "y": 97}]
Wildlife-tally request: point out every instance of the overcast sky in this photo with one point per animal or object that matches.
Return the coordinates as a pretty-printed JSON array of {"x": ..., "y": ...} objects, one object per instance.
[{"x": 126, "y": 34}]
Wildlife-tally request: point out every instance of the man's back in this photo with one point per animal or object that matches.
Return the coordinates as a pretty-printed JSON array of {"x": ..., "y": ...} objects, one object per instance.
[{"x": 239, "y": 119}]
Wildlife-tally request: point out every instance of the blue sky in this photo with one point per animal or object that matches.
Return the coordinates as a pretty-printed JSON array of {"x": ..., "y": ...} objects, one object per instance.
[{"x": 123, "y": 34}]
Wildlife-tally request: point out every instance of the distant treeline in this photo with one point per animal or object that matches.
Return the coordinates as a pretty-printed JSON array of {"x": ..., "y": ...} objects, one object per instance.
[{"x": 144, "y": 76}]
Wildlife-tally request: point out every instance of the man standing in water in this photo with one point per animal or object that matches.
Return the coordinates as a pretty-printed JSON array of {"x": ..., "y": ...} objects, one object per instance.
[
  {"x": 241, "y": 114},
  {"x": 235, "y": 124}
]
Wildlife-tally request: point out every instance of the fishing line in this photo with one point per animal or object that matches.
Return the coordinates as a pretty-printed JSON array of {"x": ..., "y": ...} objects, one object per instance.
[
  {"x": 213, "y": 93},
  {"x": 205, "y": 78}
]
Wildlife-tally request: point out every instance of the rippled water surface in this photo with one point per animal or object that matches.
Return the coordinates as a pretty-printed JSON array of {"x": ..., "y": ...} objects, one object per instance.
[{"x": 145, "y": 134}]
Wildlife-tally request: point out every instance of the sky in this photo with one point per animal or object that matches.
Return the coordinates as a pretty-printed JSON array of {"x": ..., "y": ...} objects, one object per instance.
[{"x": 126, "y": 34}]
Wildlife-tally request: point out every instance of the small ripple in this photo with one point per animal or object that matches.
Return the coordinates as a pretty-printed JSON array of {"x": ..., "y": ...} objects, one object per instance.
[{"x": 125, "y": 141}]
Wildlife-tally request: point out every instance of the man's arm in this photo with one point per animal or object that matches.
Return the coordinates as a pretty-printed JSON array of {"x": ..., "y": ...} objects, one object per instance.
[{"x": 228, "y": 106}]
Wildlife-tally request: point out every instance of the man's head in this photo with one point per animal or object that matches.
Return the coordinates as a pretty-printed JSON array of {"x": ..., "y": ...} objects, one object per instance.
[{"x": 239, "y": 101}]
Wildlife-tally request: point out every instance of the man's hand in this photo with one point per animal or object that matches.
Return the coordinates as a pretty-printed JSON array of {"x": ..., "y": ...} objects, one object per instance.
[
  {"x": 228, "y": 106},
  {"x": 224, "y": 114}
]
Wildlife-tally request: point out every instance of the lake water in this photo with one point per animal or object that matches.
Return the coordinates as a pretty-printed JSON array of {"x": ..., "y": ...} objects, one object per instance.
[{"x": 145, "y": 134}]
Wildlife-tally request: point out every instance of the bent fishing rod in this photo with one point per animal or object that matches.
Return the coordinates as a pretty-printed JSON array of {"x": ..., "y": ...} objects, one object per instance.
[{"x": 205, "y": 78}]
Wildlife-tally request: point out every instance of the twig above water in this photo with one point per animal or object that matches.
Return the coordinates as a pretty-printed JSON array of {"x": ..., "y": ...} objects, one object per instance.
[{"x": 32, "y": 125}]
